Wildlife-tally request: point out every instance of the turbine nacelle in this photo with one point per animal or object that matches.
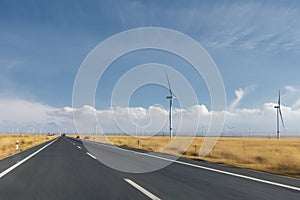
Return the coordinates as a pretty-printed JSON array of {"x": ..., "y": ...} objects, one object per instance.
[{"x": 171, "y": 97}]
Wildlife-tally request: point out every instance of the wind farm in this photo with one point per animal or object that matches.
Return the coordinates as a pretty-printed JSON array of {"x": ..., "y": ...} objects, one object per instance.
[
  {"x": 263, "y": 153},
  {"x": 149, "y": 100}
]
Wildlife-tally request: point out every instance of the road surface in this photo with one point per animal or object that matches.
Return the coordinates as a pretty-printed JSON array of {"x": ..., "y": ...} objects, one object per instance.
[{"x": 65, "y": 169}]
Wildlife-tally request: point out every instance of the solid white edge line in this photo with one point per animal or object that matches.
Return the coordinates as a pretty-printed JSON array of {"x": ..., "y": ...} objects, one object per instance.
[
  {"x": 78, "y": 147},
  {"x": 25, "y": 159},
  {"x": 141, "y": 189},
  {"x": 207, "y": 168},
  {"x": 91, "y": 155}
]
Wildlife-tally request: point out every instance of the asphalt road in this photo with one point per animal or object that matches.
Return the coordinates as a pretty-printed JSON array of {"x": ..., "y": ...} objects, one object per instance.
[{"x": 67, "y": 169}]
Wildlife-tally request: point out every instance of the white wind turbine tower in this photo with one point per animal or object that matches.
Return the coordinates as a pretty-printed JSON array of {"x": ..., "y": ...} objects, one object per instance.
[
  {"x": 171, "y": 97},
  {"x": 279, "y": 113}
]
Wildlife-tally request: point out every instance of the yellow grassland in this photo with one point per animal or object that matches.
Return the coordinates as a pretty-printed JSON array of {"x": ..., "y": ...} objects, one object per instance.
[{"x": 26, "y": 141}]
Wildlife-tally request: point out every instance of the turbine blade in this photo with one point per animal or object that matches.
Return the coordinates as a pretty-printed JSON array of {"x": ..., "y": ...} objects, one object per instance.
[
  {"x": 279, "y": 98},
  {"x": 169, "y": 85},
  {"x": 281, "y": 117}
]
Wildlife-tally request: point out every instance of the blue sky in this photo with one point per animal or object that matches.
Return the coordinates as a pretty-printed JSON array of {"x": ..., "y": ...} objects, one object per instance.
[{"x": 255, "y": 44}]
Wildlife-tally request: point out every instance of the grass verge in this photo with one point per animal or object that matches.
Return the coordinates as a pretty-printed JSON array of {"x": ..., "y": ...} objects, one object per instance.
[{"x": 26, "y": 141}]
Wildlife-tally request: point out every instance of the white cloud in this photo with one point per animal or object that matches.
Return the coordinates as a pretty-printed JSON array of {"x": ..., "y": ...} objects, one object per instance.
[
  {"x": 267, "y": 27},
  {"x": 16, "y": 113},
  {"x": 292, "y": 95},
  {"x": 240, "y": 94},
  {"x": 243, "y": 25},
  {"x": 25, "y": 115}
]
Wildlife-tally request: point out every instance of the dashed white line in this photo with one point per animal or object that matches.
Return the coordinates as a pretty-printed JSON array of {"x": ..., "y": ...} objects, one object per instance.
[
  {"x": 207, "y": 168},
  {"x": 141, "y": 189},
  {"x": 25, "y": 159},
  {"x": 91, "y": 155},
  {"x": 78, "y": 147}
]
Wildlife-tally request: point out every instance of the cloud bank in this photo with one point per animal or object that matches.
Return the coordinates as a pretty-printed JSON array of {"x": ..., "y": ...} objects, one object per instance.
[{"x": 21, "y": 116}]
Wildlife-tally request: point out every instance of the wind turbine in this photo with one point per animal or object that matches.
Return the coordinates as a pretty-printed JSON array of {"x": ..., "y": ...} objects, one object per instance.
[
  {"x": 171, "y": 97},
  {"x": 279, "y": 113}
]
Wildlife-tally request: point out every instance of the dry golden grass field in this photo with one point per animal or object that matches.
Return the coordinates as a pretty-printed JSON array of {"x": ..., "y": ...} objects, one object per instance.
[
  {"x": 269, "y": 155},
  {"x": 26, "y": 141}
]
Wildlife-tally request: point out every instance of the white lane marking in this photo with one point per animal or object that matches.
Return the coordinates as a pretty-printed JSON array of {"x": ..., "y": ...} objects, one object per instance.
[
  {"x": 78, "y": 147},
  {"x": 25, "y": 159},
  {"x": 207, "y": 168},
  {"x": 141, "y": 189},
  {"x": 73, "y": 143},
  {"x": 231, "y": 174},
  {"x": 91, "y": 155}
]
